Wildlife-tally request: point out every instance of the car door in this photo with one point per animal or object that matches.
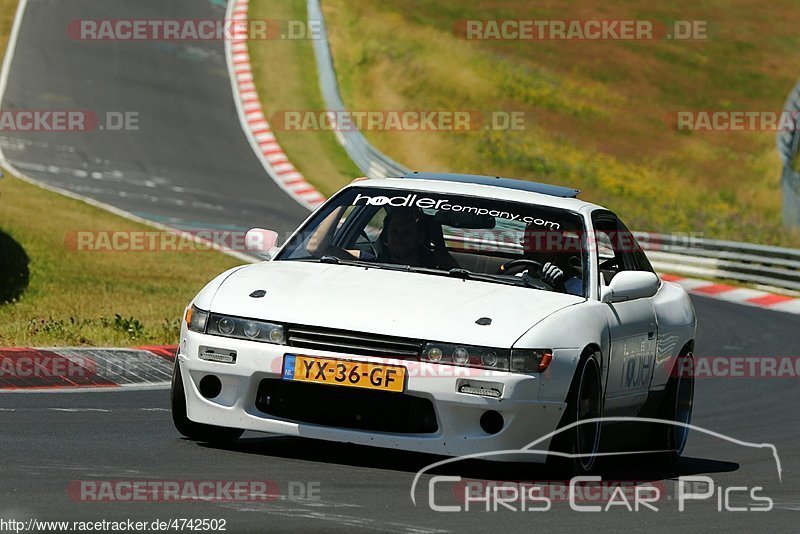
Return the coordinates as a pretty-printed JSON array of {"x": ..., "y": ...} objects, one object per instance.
[{"x": 632, "y": 324}]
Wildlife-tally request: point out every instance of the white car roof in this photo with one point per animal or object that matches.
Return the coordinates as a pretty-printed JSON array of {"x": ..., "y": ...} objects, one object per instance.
[{"x": 480, "y": 190}]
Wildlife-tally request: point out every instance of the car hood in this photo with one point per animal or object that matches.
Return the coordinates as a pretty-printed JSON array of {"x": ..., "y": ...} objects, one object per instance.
[{"x": 392, "y": 303}]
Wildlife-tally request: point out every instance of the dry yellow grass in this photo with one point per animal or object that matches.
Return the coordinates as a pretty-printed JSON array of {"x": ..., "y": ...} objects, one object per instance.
[{"x": 596, "y": 109}]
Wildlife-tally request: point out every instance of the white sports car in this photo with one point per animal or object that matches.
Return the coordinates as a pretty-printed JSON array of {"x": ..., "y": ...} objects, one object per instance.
[{"x": 441, "y": 313}]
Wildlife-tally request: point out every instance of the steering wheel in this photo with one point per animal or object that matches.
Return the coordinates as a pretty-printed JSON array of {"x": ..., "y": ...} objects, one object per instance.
[{"x": 517, "y": 266}]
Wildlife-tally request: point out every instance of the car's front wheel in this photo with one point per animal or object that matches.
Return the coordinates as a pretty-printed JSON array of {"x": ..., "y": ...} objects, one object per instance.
[
  {"x": 190, "y": 429},
  {"x": 580, "y": 443}
]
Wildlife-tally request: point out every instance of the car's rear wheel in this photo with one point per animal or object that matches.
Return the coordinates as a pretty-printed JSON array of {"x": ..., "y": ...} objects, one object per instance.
[
  {"x": 190, "y": 429},
  {"x": 669, "y": 440},
  {"x": 581, "y": 442}
]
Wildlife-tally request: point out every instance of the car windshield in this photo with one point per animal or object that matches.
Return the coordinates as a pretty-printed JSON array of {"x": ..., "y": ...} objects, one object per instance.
[{"x": 443, "y": 234}]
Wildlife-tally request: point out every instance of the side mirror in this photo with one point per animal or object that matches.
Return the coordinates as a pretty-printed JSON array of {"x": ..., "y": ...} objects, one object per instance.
[
  {"x": 630, "y": 285},
  {"x": 261, "y": 243}
]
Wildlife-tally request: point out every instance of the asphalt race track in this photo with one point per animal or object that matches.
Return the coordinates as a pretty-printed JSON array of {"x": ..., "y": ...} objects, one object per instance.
[
  {"x": 129, "y": 436},
  {"x": 188, "y": 165},
  {"x": 190, "y": 147}
]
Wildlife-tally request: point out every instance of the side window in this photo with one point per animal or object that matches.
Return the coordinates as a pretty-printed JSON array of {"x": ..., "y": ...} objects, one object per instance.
[
  {"x": 610, "y": 260},
  {"x": 617, "y": 248},
  {"x": 636, "y": 259}
]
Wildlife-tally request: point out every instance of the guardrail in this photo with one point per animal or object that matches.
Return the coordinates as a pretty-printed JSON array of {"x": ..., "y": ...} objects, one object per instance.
[
  {"x": 777, "y": 269},
  {"x": 372, "y": 162},
  {"x": 772, "y": 267},
  {"x": 789, "y": 147}
]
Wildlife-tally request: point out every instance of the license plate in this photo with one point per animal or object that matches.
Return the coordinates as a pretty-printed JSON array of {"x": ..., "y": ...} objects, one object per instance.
[{"x": 344, "y": 373}]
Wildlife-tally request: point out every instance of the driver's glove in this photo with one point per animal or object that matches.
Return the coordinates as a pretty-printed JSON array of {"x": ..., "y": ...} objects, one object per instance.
[{"x": 552, "y": 274}]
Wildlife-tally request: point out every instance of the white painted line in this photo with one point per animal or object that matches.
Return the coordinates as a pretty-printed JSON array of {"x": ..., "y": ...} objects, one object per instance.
[
  {"x": 11, "y": 49},
  {"x": 78, "y": 410},
  {"x": 124, "y": 214},
  {"x": 4, "y": 73},
  {"x": 251, "y": 115}
]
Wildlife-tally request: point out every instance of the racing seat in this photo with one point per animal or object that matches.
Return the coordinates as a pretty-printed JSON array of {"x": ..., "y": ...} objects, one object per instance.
[
  {"x": 436, "y": 244},
  {"x": 432, "y": 240}
]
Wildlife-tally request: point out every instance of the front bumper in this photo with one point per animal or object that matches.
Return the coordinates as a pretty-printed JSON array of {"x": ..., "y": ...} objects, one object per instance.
[{"x": 457, "y": 430}]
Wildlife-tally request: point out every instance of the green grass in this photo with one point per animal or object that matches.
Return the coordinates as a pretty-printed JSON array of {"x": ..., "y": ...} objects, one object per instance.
[
  {"x": 596, "y": 109},
  {"x": 286, "y": 77},
  {"x": 75, "y": 297}
]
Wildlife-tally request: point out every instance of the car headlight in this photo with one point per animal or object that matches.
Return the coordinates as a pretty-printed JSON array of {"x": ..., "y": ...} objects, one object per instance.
[
  {"x": 467, "y": 356},
  {"x": 226, "y": 326},
  {"x": 196, "y": 319},
  {"x": 516, "y": 360},
  {"x": 215, "y": 324}
]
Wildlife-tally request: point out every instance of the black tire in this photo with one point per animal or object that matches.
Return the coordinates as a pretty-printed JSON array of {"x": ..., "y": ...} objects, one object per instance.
[
  {"x": 585, "y": 401},
  {"x": 670, "y": 440},
  {"x": 190, "y": 429}
]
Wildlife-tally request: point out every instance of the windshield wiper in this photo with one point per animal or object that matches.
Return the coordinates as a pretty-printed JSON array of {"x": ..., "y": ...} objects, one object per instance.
[
  {"x": 469, "y": 275},
  {"x": 335, "y": 260},
  {"x": 457, "y": 272},
  {"x": 465, "y": 274}
]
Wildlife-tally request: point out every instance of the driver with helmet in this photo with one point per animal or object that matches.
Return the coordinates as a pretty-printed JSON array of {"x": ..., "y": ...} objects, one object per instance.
[{"x": 551, "y": 248}]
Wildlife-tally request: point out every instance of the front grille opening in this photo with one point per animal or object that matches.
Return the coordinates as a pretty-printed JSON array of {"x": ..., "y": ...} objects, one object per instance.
[
  {"x": 345, "y": 407},
  {"x": 317, "y": 338}
]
